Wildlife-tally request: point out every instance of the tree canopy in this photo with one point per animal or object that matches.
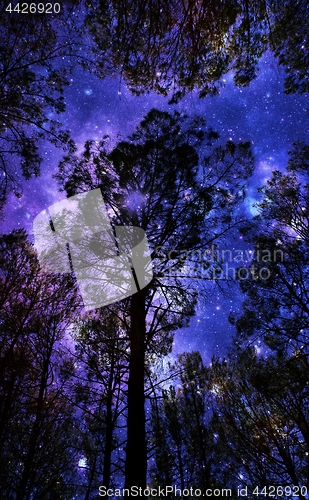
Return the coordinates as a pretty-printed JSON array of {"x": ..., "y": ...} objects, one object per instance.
[
  {"x": 162, "y": 180},
  {"x": 179, "y": 46},
  {"x": 36, "y": 53},
  {"x": 276, "y": 308}
]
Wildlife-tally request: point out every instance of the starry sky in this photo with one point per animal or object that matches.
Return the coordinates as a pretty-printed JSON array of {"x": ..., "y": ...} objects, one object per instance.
[{"x": 260, "y": 113}]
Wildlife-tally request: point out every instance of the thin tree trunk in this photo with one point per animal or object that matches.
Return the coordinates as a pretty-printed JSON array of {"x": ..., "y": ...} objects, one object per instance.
[
  {"x": 90, "y": 481},
  {"x": 109, "y": 425},
  {"x": 136, "y": 454},
  {"x": 28, "y": 472}
]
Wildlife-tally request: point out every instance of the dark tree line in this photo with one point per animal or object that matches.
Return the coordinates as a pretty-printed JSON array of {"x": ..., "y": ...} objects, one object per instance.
[
  {"x": 177, "y": 208},
  {"x": 255, "y": 402},
  {"x": 35, "y": 310},
  {"x": 37, "y": 54},
  {"x": 242, "y": 420},
  {"x": 179, "y": 46}
]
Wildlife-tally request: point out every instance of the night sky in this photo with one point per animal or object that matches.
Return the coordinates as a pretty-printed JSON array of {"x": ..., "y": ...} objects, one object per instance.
[{"x": 261, "y": 113}]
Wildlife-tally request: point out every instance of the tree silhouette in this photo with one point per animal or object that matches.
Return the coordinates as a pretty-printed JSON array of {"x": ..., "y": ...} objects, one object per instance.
[
  {"x": 101, "y": 354},
  {"x": 180, "y": 46},
  {"x": 180, "y": 420},
  {"x": 161, "y": 180},
  {"x": 288, "y": 36},
  {"x": 259, "y": 420},
  {"x": 37, "y": 430},
  {"x": 35, "y": 52},
  {"x": 267, "y": 398},
  {"x": 277, "y": 304}
]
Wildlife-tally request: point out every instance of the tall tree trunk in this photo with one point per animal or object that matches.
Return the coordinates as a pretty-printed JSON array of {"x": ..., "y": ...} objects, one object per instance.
[
  {"x": 24, "y": 489},
  {"x": 201, "y": 437},
  {"x": 91, "y": 477},
  {"x": 136, "y": 454},
  {"x": 109, "y": 424}
]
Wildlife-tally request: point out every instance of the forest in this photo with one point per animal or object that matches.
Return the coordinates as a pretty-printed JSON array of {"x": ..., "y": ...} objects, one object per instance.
[{"x": 91, "y": 402}]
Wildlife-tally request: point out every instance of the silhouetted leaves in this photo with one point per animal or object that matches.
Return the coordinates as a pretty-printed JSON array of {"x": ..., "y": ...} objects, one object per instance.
[
  {"x": 34, "y": 64},
  {"x": 171, "y": 180},
  {"x": 176, "y": 47},
  {"x": 37, "y": 424}
]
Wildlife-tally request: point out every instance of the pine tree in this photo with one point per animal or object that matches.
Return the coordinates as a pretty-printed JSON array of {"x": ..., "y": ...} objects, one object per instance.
[
  {"x": 163, "y": 180},
  {"x": 37, "y": 424}
]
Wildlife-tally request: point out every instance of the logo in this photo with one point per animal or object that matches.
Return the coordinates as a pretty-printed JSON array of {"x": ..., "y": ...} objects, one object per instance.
[{"x": 109, "y": 263}]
